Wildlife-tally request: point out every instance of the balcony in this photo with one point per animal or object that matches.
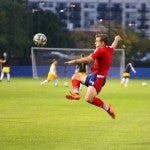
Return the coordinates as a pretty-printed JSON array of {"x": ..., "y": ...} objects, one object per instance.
[
  {"x": 33, "y": 5},
  {"x": 116, "y": 15},
  {"x": 99, "y": 8},
  {"x": 143, "y": 10},
  {"x": 74, "y": 16},
  {"x": 61, "y": 8},
  {"x": 103, "y": 17},
  {"x": 143, "y": 18},
  {"x": 143, "y": 26},
  {"x": 116, "y": 9}
]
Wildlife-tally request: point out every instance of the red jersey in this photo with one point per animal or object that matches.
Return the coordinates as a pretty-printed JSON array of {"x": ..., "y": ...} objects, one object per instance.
[{"x": 102, "y": 60}]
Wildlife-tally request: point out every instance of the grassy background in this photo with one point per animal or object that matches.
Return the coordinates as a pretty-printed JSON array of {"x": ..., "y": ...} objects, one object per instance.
[{"x": 39, "y": 117}]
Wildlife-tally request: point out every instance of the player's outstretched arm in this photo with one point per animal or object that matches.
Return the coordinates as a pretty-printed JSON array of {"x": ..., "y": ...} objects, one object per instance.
[
  {"x": 115, "y": 42},
  {"x": 132, "y": 68},
  {"x": 71, "y": 62},
  {"x": 81, "y": 60}
]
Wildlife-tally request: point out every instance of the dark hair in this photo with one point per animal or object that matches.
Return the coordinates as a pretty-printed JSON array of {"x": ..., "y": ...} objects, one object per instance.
[
  {"x": 104, "y": 38},
  {"x": 82, "y": 55}
]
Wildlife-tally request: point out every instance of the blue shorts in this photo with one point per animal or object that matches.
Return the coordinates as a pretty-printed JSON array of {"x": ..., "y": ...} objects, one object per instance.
[{"x": 97, "y": 82}]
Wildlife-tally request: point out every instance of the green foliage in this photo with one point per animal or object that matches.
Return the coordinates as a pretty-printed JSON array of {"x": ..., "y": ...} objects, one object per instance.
[
  {"x": 83, "y": 39},
  {"x": 18, "y": 26},
  {"x": 132, "y": 42},
  {"x": 48, "y": 23},
  {"x": 13, "y": 37},
  {"x": 134, "y": 45}
]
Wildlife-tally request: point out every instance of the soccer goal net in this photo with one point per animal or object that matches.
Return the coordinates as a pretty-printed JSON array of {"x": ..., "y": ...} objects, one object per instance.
[{"x": 42, "y": 58}]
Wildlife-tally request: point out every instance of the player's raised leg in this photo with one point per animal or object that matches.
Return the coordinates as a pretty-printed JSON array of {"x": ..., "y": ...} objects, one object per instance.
[
  {"x": 75, "y": 95},
  {"x": 75, "y": 80},
  {"x": 91, "y": 98}
]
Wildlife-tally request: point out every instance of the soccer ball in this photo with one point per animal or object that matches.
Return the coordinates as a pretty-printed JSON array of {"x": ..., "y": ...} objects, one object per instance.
[
  {"x": 144, "y": 83},
  {"x": 66, "y": 84},
  {"x": 39, "y": 39}
]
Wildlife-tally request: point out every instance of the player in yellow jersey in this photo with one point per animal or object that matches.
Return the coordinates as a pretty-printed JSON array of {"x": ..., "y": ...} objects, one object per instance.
[
  {"x": 52, "y": 74},
  {"x": 5, "y": 67},
  {"x": 126, "y": 74}
]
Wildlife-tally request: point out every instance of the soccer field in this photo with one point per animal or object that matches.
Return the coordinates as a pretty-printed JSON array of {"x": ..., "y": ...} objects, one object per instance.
[{"x": 39, "y": 117}]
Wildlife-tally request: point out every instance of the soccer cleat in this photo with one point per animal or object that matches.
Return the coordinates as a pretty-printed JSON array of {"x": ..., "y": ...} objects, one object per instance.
[
  {"x": 111, "y": 112},
  {"x": 72, "y": 96}
]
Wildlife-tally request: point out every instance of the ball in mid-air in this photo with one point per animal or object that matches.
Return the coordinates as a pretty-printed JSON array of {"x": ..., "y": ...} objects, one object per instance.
[{"x": 39, "y": 39}]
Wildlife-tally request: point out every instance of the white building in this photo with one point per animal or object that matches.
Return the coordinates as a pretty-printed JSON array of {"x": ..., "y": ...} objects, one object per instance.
[{"x": 86, "y": 14}]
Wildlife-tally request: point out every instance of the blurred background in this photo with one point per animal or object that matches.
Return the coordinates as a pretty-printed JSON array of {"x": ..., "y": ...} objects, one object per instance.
[{"x": 73, "y": 24}]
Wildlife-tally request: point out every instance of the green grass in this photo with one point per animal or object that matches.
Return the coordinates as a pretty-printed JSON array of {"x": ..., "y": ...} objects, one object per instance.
[{"x": 35, "y": 117}]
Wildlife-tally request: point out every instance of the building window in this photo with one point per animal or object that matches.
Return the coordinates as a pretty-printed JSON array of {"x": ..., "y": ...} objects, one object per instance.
[
  {"x": 130, "y": 15},
  {"x": 74, "y": 7},
  {"x": 127, "y": 23},
  {"x": 89, "y": 5},
  {"x": 131, "y": 5},
  {"x": 143, "y": 5},
  {"x": 50, "y": 4},
  {"x": 89, "y": 15},
  {"x": 116, "y": 5},
  {"x": 61, "y": 6},
  {"x": 102, "y": 7},
  {"x": 127, "y": 15}
]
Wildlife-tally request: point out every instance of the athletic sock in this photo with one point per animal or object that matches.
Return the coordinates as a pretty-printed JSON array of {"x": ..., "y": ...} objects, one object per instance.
[
  {"x": 8, "y": 77},
  {"x": 56, "y": 82},
  {"x": 126, "y": 82},
  {"x": 98, "y": 102},
  {"x": 2, "y": 76},
  {"x": 45, "y": 81},
  {"x": 122, "y": 80},
  {"x": 76, "y": 86}
]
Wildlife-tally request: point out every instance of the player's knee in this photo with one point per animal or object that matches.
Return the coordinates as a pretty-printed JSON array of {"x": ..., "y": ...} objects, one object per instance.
[{"x": 75, "y": 76}]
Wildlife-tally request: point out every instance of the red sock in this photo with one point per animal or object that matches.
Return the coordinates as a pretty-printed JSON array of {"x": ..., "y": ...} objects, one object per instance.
[
  {"x": 75, "y": 85},
  {"x": 98, "y": 102}
]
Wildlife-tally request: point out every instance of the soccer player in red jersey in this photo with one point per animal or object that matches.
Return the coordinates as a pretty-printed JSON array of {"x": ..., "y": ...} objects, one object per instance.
[{"x": 102, "y": 57}]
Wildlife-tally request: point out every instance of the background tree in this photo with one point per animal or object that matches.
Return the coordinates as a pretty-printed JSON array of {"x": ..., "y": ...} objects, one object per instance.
[
  {"x": 48, "y": 23},
  {"x": 83, "y": 39},
  {"x": 135, "y": 46},
  {"x": 18, "y": 24},
  {"x": 13, "y": 37}
]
